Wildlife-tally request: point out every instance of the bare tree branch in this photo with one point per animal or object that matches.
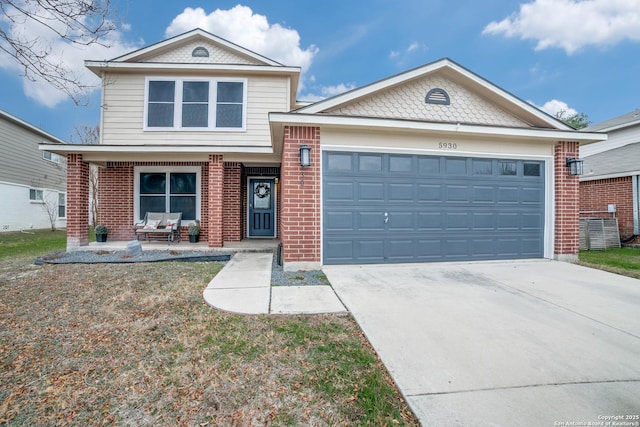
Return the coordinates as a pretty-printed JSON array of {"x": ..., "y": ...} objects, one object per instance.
[{"x": 79, "y": 22}]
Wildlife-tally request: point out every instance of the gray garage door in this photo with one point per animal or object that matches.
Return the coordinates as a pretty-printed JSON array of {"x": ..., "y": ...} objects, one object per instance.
[{"x": 385, "y": 208}]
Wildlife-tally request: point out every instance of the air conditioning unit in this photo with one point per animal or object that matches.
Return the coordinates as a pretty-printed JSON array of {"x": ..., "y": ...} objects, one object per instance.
[{"x": 599, "y": 233}]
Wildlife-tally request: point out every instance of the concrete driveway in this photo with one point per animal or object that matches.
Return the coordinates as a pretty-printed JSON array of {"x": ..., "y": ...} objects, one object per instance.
[{"x": 540, "y": 342}]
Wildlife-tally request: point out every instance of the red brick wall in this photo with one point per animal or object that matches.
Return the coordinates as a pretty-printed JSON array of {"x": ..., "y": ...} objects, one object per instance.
[
  {"x": 116, "y": 197},
  {"x": 300, "y": 195},
  {"x": 232, "y": 202},
  {"x": 214, "y": 208},
  {"x": 115, "y": 200},
  {"x": 566, "y": 200},
  {"x": 77, "y": 201},
  {"x": 598, "y": 194}
]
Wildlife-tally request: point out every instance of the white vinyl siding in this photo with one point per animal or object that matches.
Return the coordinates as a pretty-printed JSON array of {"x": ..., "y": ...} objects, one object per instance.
[{"x": 123, "y": 116}]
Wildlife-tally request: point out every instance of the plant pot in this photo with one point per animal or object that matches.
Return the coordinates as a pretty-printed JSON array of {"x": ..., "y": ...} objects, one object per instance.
[
  {"x": 193, "y": 238},
  {"x": 101, "y": 238}
]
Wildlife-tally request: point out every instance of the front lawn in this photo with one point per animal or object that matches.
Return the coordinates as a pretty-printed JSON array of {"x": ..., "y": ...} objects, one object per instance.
[
  {"x": 625, "y": 261},
  {"x": 134, "y": 344},
  {"x": 31, "y": 243}
]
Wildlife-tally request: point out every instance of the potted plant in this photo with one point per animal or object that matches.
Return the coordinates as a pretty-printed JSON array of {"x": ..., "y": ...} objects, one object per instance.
[
  {"x": 101, "y": 233},
  {"x": 194, "y": 232}
]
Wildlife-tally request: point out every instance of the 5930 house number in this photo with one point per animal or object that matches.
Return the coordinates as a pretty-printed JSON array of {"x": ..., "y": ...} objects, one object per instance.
[{"x": 447, "y": 146}]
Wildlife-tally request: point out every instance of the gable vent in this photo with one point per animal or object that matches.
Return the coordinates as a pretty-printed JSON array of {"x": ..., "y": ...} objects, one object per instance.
[
  {"x": 437, "y": 96},
  {"x": 200, "y": 52}
]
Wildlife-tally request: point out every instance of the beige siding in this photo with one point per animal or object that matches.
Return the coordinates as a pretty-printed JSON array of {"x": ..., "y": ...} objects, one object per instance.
[
  {"x": 408, "y": 102},
  {"x": 22, "y": 160},
  {"x": 429, "y": 144},
  {"x": 217, "y": 55},
  {"x": 123, "y": 115}
]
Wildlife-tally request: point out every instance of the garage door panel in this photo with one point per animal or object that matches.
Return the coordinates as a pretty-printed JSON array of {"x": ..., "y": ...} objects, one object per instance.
[
  {"x": 457, "y": 221},
  {"x": 371, "y": 191},
  {"x": 429, "y": 221},
  {"x": 458, "y": 193},
  {"x": 370, "y": 221},
  {"x": 430, "y": 193},
  {"x": 339, "y": 191},
  {"x": 339, "y": 221},
  {"x": 440, "y": 208},
  {"x": 401, "y": 192}
]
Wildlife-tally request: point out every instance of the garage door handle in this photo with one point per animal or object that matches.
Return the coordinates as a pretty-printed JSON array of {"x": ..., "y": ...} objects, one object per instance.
[{"x": 386, "y": 217}]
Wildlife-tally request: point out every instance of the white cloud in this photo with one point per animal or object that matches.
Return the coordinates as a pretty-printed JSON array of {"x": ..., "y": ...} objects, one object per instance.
[
  {"x": 401, "y": 56},
  {"x": 249, "y": 30},
  {"x": 554, "y": 107},
  {"x": 70, "y": 56},
  {"x": 327, "y": 91},
  {"x": 572, "y": 24}
]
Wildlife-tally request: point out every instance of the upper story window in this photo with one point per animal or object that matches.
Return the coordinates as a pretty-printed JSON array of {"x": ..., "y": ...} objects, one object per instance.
[
  {"x": 52, "y": 157},
  {"x": 200, "y": 52},
  {"x": 195, "y": 104}
]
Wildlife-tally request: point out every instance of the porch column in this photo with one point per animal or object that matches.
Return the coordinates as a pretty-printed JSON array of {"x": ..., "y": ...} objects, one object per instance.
[
  {"x": 567, "y": 201},
  {"x": 232, "y": 202},
  {"x": 77, "y": 202},
  {"x": 300, "y": 189},
  {"x": 214, "y": 208}
]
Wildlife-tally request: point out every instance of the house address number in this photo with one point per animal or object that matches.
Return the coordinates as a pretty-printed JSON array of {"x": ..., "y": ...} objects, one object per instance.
[{"x": 447, "y": 146}]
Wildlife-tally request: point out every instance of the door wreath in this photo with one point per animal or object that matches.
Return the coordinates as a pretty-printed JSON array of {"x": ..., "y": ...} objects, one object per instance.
[{"x": 262, "y": 190}]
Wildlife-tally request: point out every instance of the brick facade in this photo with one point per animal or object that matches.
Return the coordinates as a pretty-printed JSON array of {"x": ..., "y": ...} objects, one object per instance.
[
  {"x": 596, "y": 195},
  {"x": 214, "y": 204},
  {"x": 299, "y": 217},
  {"x": 77, "y": 201},
  {"x": 567, "y": 203},
  {"x": 232, "y": 202}
]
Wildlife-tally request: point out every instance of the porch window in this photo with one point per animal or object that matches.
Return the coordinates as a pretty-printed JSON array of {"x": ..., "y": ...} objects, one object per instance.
[
  {"x": 195, "y": 104},
  {"x": 161, "y": 190}
]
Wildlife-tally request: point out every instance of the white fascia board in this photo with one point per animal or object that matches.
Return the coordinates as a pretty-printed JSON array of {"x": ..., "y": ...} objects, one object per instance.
[
  {"x": 463, "y": 129},
  {"x": 97, "y": 66},
  {"x": 144, "y": 149},
  {"x": 608, "y": 176}
]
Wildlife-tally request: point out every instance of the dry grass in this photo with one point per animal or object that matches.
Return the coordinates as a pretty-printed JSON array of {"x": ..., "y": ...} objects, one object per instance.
[{"x": 135, "y": 345}]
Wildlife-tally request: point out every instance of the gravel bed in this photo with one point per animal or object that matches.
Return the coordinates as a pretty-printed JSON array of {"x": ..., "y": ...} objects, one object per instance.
[
  {"x": 279, "y": 277},
  {"x": 124, "y": 257}
]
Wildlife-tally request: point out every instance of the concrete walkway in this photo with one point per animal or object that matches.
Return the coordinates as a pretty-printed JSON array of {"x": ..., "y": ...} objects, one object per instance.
[{"x": 244, "y": 286}]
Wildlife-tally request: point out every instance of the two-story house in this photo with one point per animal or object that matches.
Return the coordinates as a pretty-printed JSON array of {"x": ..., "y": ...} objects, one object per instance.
[
  {"x": 432, "y": 164},
  {"x": 33, "y": 183}
]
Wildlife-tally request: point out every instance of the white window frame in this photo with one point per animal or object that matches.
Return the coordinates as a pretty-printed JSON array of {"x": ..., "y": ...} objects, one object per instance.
[
  {"x": 64, "y": 204},
  {"x": 166, "y": 169},
  {"x": 37, "y": 191},
  {"x": 177, "y": 110},
  {"x": 51, "y": 157}
]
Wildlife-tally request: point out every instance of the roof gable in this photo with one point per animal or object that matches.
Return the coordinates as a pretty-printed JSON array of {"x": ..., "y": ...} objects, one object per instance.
[
  {"x": 179, "y": 49},
  {"x": 473, "y": 100},
  {"x": 408, "y": 102}
]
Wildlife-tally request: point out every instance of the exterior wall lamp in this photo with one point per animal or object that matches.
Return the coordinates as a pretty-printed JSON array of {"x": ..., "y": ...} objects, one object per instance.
[
  {"x": 575, "y": 166},
  {"x": 305, "y": 156}
]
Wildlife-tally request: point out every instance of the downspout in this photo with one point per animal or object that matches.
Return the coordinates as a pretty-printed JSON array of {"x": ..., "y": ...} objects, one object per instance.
[{"x": 635, "y": 180}]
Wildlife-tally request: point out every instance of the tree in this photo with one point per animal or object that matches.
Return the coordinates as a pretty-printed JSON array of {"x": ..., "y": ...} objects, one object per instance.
[
  {"x": 89, "y": 135},
  {"x": 576, "y": 121},
  {"x": 79, "y": 22}
]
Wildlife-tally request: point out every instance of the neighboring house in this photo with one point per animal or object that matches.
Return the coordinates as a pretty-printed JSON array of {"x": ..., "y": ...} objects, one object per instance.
[
  {"x": 612, "y": 173},
  {"x": 434, "y": 164},
  {"x": 33, "y": 183}
]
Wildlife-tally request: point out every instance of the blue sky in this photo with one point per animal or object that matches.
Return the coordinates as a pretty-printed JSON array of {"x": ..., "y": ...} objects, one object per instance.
[{"x": 583, "y": 56}]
